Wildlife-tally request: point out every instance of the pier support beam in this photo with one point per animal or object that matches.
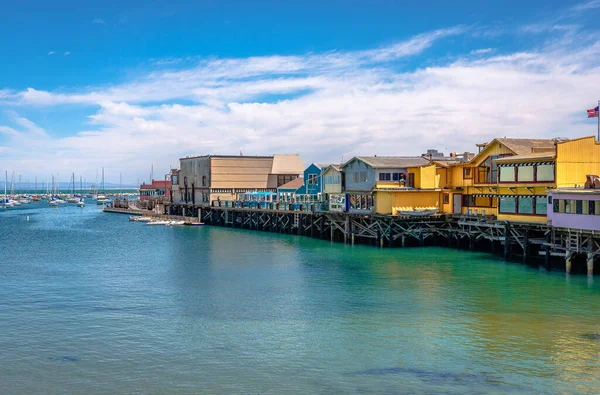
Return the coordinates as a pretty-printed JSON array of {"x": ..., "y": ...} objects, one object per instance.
[
  {"x": 506, "y": 241},
  {"x": 568, "y": 262},
  {"x": 590, "y": 264},
  {"x": 525, "y": 245}
]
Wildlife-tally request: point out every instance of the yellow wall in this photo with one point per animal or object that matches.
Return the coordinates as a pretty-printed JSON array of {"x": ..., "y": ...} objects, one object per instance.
[
  {"x": 455, "y": 176},
  {"x": 388, "y": 202},
  {"x": 575, "y": 159},
  {"x": 538, "y": 219},
  {"x": 426, "y": 177}
]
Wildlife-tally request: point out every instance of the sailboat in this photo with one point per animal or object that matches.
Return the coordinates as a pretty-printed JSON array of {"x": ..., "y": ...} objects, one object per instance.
[
  {"x": 72, "y": 198},
  {"x": 12, "y": 191},
  {"x": 51, "y": 200},
  {"x": 23, "y": 199},
  {"x": 101, "y": 200},
  {"x": 6, "y": 202},
  {"x": 81, "y": 202}
]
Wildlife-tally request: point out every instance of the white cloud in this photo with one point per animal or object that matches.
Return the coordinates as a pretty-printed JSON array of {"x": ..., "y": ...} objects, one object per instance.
[
  {"x": 67, "y": 53},
  {"x": 51, "y": 52},
  {"x": 586, "y": 5},
  {"x": 323, "y": 106},
  {"x": 482, "y": 51},
  {"x": 98, "y": 21}
]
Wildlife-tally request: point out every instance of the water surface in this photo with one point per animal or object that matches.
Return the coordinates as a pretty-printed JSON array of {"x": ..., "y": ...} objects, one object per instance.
[{"x": 91, "y": 303}]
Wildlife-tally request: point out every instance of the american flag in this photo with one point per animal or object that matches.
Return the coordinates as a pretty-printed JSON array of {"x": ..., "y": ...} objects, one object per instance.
[{"x": 593, "y": 112}]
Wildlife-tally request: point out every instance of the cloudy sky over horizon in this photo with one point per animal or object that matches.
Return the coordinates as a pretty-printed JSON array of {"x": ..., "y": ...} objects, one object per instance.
[{"x": 133, "y": 84}]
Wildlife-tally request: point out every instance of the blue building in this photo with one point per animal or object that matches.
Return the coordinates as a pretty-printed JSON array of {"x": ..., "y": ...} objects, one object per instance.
[{"x": 313, "y": 181}]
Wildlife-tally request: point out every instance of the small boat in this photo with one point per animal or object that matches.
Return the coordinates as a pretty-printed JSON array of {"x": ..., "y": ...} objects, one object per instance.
[
  {"x": 158, "y": 223},
  {"x": 53, "y": 203},
  {"x": 101, "y": 200},
  {"x": 80, "y": 203},
  {"x": 176, "y": 223},
  {"x": 194, "y": 223},
  {"x": 72, "y": 199}
]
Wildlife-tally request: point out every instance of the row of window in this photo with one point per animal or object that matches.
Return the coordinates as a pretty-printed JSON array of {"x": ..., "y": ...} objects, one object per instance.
[
  {"x": 332, "y": 179},
  {"x": 392, "y": 176},
  {"x": 539, "y": 173},
  {"x": 570, "y": 206},
  {"x": 534, "y": 205},
  {"x": 152, "y": 192}
]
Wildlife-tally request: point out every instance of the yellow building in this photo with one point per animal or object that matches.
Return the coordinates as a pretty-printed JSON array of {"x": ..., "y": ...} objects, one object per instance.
[
  {"x": 427, "y": 190},
  {"x": 509, "y": 178}
]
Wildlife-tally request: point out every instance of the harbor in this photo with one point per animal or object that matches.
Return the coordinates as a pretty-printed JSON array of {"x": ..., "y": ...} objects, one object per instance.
[
  {"x": 99, "y": 296},
  {"x": 535, "y": 201}
]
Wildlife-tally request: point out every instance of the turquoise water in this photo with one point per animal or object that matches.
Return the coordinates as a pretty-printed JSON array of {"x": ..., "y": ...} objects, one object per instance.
[{"x": 93, "y": 303}]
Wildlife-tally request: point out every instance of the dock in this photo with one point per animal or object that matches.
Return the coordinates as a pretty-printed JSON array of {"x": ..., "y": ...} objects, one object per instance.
[{"x": 526, "y": 243}]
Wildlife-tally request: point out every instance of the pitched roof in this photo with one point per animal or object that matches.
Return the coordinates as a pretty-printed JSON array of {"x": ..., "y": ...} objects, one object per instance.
[
  {"x": 527, "y": 146},
  {"x": 287, "y": 164},
  {"x": 294, "y": 184},
  {"x": 334, "y": 167},
  {"x": 391, "y": 162},
  {"x": 533, "y": 156}
]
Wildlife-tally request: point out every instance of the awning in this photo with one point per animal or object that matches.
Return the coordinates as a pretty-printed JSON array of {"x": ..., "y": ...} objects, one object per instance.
[
  {"x": 525, "y": 164},
  {"x": 488, "y": 195},
  {"x": 525, "y": 196}
]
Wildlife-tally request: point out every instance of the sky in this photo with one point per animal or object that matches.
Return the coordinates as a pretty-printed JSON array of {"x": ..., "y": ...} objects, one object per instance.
[{"x": 127, "y": 85}]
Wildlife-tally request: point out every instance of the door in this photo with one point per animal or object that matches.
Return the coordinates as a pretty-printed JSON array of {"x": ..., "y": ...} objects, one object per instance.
[
  {"x": 411, "y": 180},
  {"x": 457, "y": 204}
]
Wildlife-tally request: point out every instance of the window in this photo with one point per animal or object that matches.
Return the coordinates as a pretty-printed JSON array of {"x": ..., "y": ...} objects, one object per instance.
[
  {"x": 525, "y": 205},
  {"x": 578, "y": 207},
  {"x": 541, "y": 207},
  {"x": 203, "y": 181},
  {"x": 385, "y": 176},
  {"x": 396, "y": 176},
  {"x": 313, "y": 179},
  {"x": 175, "y": 179},
  {"x": 508, "y": 205},
  {"x": 359, "y": 176},
  {"x": 525, "y": 173},
  {"x": 556, "y": 205},
  {"x": 507, "y": 174},
  {"x": 446, "y": 198},
  {"x": 591, "y": 207},
  {"x": 467, "y": 173},
  {"x": 545, "y": 173},
  {"x": 285, "y": 178},
  {"x": 567, "y": 207}
]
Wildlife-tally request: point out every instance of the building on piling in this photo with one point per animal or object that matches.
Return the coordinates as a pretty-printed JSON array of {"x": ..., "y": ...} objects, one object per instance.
[{"x": 205, "y": 179}]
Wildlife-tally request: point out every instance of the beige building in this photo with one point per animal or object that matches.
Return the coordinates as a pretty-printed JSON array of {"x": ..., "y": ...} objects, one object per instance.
[
  {"x": 332, "y": 179},
  {"x": 204, "y": 179}
]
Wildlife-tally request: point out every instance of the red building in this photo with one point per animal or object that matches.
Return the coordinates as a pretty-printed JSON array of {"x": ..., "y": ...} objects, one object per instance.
[{"x": 154, "y": 190}]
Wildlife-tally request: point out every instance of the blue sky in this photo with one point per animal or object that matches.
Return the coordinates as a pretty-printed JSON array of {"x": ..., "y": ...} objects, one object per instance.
[{"x": 130, "y": 83}]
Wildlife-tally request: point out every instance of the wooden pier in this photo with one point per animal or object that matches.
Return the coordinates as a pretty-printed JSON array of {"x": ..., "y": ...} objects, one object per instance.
[{"x": 528, "y": 243}]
